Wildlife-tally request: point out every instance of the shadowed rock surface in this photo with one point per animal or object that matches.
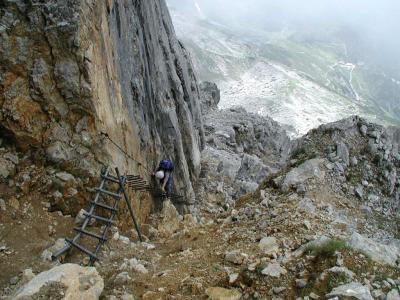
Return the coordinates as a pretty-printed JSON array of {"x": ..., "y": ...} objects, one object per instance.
[{"x": 70, "y": 70}]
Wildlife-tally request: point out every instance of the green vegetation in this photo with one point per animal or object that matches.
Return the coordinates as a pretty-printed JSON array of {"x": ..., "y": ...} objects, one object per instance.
[{"x": 326, "y": 249}]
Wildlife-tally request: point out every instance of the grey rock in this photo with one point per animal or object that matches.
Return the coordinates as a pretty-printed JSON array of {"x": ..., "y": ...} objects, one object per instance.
[
  {"x": 164, "y": 90},
  {"x": 210, "y": 96},
  {"x": 59, "y": 152},
  {"x": 7, "y": 168},
  {"x": 58, "y": 245},
  {"x": 122, "y": 278},
  {"x": 388, "y": 254},
  {"x": 363, "y": 130},
  {"x": 309, "y": 169},
  {"x": 242, "y": 149},
  {"x": 353, "y": 161},
  {"x": 314, "y": 296},
  {"x": 27, "y": 275},
  {"x": 306, "y": 205},
  {"x": 274, "y": 270},
  {"x": 11, "y": 157},
  {"x": 278, "y": 290},
  {"x": 353, "y": 290},
  {"x": 234, "y": 257},
  {"x": 79, "y": 282},
  {"x": 342, "y": 152},
  {"x": 80, "y": 218},
  {"x": 64, "y": 176},
  {"x": 268, "y": 245},
  {"x": 14, "y": 280},
  {"x": 3, "y": 205},
  {"x": 301, "y": 283},
  {"x": 393, "y": 295},
  {"x": 127, "y": 297},
  {"x": 359, "y": 191}
]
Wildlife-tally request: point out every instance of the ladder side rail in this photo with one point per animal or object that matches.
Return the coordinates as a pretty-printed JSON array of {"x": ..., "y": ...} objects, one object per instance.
[
  {"x": 122, "y": 183},
  {"x": 85, "y": 222}
]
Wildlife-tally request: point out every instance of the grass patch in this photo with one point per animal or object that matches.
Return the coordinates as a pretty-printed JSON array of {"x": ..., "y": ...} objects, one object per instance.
[{"x": 326, "y": 249}]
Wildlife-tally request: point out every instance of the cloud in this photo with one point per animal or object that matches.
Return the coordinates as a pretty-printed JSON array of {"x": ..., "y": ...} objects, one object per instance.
[{"x": 375, "y": 22}]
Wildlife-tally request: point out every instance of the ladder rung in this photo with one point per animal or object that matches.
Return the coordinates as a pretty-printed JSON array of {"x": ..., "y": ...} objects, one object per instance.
[
  {"x": 110, "y": 178},
  {"x": 105, "y": 220},
  {"x": 83, "y": 249},
  {"x": 99, "y": 237},
  {"x": 115, "y": 195},
  {"x": 135, "y": 181},
  {"x": 138, "y": 185},
  {"x": 105, "y": 206}
]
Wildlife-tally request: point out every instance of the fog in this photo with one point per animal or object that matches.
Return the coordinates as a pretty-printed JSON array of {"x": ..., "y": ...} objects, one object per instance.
[{"x": 374, "y": 23}]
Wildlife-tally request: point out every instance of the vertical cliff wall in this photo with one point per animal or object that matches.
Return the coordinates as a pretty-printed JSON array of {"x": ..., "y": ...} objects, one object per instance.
[{"x": 71, "y": 69}]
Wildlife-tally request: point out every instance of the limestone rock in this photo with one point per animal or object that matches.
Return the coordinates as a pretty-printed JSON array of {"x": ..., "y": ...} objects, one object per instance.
[
  {"x": 170, "y": 219},
  {"x": 210, "y": 96},
  {"x": 64, "y": 176},
  {"x": 353, "y": 290},
  {"x": 122, "y": 278},
  {"x": 80, "y": 282},
  {"x": 3, "y": 205},
  {"x": 342, "y": 152},
  {"x": 234, "y": 257},
  {"x": 393, "y": 295},
  {"x": 218, "y": 293},
  {"x": 7, "y": 168},
  {"x": 309, "y": 169},
  {"x": 47, "y": 253},
  {"x": 274, "y": 270},
  {"x": 55, "y": 97},
  {"x": 268, "y": 245},
  {"x": 388, "y": 254}
]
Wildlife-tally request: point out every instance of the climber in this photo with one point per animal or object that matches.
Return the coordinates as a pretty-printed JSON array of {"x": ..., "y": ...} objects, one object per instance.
[{"x": 164, "y": 174}]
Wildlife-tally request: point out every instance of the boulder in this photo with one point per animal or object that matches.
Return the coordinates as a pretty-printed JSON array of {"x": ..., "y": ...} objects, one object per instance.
[
  {"x": 310, "y": 169},
  {"x": 58, "y": 245},
  {"x": 387, "y": 254},
  {"x": 342, "y": 151},
  {"x": 274, "y": 270},
  {"x": 234, "y": 257},
  {"x": 78, "y": 282},
  {"x": 352, "y": 290},
  {"x": 170, "y": 219},
  {"x": 210, "y": 96},
  {"x": 393, "y": 295},
  {"x": 64, "y": 176},
  {"x": 7, "y": 168},
  {"x": 218, "y": 293},
  {"x": 268, "y": 245}
]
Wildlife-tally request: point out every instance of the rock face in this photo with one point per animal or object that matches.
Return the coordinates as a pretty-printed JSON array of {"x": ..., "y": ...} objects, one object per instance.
[
  {"x": 210, "y": 96},
  {"x": 70, "y": 70},
  {"x": 76, "y": 281},
  {"x": 361, "y": 159},
  {"x": 242, "y": 149}
]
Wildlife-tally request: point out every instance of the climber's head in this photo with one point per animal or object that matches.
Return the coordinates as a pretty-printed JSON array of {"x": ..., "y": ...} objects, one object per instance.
[{"x": 160, "y": 174}]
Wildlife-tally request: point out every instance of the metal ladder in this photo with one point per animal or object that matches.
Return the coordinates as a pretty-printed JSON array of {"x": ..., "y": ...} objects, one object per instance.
[{"x": 97, "y": 204}]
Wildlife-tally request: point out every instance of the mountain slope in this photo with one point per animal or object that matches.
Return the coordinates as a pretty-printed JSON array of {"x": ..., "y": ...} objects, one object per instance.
[{"x": 300, "y": 78}]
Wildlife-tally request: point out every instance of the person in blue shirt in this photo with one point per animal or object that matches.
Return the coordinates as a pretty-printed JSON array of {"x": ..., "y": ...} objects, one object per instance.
[{"x": 164, "y": 174}]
